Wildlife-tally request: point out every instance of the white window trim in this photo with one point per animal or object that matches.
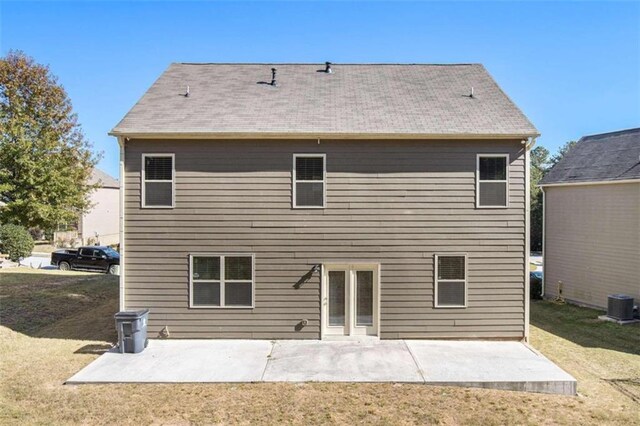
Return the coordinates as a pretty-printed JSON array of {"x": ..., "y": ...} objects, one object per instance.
[
  {"x": 478, "y": 157},
  {"x": 324, "y": 181},
  {"x": 223, "y": 281},
  {"x": 143, "y": 185},
  {"x": 436, "y": 281}
]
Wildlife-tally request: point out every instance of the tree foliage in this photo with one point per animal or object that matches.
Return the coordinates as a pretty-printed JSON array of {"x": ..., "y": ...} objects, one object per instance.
[
  {"x": 561, "y": 153},
  {"x": 15, "y": 242},
  {"x": 45, "y": 161}
]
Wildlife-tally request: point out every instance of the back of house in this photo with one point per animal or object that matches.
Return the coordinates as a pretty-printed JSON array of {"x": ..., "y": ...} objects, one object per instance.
[
  {"x": 330, "y": 201},
  {"x": 592, "y": 220}
]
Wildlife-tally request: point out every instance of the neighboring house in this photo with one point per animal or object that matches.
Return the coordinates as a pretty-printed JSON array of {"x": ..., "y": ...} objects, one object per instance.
[
  {"x": 101, "y": 223},
  {"x": 379, "y": 200},
  {"x": 592, "y": 220}
]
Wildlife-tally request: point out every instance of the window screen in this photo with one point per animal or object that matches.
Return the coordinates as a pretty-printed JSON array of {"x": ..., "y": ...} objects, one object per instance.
[
  {"x": 221, "y": 281},
  {"x": 451, "y": 281},
  {"x": 158, "y": 181},
  {"x": 492, "y": 190},
  {"x": 309, "y": 181}
]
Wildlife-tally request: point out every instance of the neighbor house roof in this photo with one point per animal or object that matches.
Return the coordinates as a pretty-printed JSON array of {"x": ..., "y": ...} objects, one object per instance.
[
  {"x": 105, "y": 181},
  {"x": 237, "y": 100},
  {"x": 599, "y": 158}
]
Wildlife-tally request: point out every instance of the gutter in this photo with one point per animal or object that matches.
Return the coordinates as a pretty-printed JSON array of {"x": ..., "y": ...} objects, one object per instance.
[
  {"x": 600, "y": 182},
  {"x": 315, "y": 136},
  {"x": 122, "y": 304}
]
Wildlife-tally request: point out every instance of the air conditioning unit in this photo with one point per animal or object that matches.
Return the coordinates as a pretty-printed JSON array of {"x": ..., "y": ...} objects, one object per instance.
[{"x": 620, "y": 307}]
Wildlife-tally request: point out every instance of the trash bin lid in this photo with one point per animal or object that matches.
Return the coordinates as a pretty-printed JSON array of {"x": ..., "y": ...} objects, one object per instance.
[{"x": 131, "y": 315}]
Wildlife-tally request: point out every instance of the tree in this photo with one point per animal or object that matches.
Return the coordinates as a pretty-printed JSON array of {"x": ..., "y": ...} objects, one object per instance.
[
  {"x": 561, "y": 153},
  {"x": 45, "y": 161},
  {"x": 15, "y": 241}
]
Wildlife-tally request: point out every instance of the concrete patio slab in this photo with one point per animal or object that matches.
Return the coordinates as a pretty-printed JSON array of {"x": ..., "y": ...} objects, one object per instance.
[
  {"x": 181, "y": 361},
  {"x": 341, "y": 361},
  {"x": 497, "y": 365}
]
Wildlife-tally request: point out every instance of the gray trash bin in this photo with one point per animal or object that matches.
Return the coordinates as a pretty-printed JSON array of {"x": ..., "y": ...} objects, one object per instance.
[{"x": 132, "y": 330}]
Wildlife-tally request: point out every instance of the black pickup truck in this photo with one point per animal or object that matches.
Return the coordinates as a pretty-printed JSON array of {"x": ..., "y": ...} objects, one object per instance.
[{"x": 93, "y": 258}]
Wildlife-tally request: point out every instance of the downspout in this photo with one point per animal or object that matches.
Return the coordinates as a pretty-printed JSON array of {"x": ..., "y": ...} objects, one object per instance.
[
  {"x": 122, "y": 304},
  {"x": 527, "y": 229},
  {"x": 544, "y": 225}
]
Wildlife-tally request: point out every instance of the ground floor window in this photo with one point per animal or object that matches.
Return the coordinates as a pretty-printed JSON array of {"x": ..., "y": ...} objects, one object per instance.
[
  {"x": 450, "y": 280},
  {"x": 221, "y": 281}
]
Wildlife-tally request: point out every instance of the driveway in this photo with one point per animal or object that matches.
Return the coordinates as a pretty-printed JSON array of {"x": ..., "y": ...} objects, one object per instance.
[{"x": 497, "y": 365}]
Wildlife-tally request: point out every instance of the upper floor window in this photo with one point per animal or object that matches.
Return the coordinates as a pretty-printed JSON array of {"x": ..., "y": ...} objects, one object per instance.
[
  {"x": 158, "y": 180},
  {"x": 492, "y": 180},
  {"x": 309, "y": 180}
]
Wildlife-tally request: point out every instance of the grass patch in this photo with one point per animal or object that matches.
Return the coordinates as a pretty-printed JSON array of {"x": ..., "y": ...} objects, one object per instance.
[
  {"x": 40, "y": 303},
  {"x": 36, "y": 356}
]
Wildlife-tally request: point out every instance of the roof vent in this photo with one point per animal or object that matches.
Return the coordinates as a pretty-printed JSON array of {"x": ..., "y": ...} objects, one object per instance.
[
  {"x": 273, "y": 77},
  {"x": 186, "y": 94},
  {"x": 471, "y": 92},
  {"x": 327, "y": 68}
]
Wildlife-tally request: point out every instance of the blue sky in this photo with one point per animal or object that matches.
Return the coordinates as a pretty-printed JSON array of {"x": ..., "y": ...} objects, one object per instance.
[{"x": 573, "y": 68}]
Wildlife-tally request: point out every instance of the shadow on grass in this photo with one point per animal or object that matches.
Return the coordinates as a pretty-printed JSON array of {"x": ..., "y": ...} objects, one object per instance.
[
  {"x": 77, "y": 306},
  {"x": 94, "y": 349},
  {"x": 582, "y": 327}
]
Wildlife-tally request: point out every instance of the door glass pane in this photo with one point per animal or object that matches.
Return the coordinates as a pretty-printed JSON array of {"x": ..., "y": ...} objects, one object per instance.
[
  {"x": 364, "y": 298},
  {"x": 336, "y": 297}
]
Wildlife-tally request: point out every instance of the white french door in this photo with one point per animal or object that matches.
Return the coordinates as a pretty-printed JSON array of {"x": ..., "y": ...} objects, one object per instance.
[{"x": 350, "y": 300}]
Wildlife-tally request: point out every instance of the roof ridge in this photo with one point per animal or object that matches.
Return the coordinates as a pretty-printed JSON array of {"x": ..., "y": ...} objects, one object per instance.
[
  {"x": 334, "y": 63},
  {"x": 616, "y": 132}
]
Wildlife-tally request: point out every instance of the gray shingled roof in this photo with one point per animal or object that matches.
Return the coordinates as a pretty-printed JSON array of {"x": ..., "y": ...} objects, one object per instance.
[
  {"x": 105, "y": 181},
  {"x": 383, "y": 99},
  {"x": 605, "y": 157}
]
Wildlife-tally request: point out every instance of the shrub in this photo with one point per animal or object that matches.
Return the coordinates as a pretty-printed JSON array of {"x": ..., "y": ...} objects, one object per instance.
[{"x": 15, "y": 241}]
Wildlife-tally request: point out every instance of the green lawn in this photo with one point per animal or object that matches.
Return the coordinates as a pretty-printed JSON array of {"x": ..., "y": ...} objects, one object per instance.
[{"x": 55, "y": 323}]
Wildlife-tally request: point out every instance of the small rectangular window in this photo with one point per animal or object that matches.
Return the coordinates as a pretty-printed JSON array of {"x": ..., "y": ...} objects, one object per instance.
[
  {"x": 158, "y": 183},
  {"x": 451, "y": 281},
  {"x": 492, "y": 184},
  {"x": 219, "y": 281},
  {"x": 309, "y": 183}
]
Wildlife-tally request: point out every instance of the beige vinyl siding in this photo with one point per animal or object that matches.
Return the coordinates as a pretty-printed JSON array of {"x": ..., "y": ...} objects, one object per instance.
[
  {"x": 396, "y": 203},
  {"x": 592, "y": 241}
]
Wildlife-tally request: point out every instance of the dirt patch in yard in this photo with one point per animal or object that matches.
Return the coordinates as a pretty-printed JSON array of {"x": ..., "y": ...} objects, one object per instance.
[{"x": 34, "y": 364}]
